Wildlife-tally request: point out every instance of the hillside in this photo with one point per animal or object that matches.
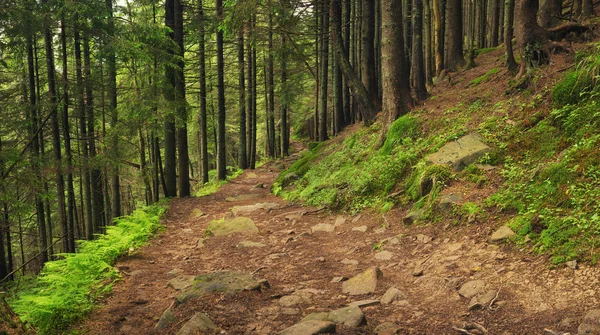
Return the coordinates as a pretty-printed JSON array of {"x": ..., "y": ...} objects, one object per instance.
[{"x": 438, "y": 275}]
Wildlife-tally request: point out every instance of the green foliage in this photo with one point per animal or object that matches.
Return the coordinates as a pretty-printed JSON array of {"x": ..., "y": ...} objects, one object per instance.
[
  {"x": 67, "y": 288},
  {"x": 351, "y": 175},
  {"x": 485, "y": 77},
  {"x": 579, "y": 84},
  {"x": 483, "y": 51},
  {"x": 214, "y": 185}
]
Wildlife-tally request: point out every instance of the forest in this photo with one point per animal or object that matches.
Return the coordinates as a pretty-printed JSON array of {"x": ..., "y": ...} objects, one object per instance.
[{"x": 111, "y": 106}]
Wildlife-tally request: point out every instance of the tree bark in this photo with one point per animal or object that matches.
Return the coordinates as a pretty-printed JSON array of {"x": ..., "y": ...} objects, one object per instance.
[
  {"x": 270, "y": 86},
  {"x": 337, "y": 80},
  {"x": 243, "y": 160},
  {"x": 221, "y": 148},
  {"x": 183, "y": 158},
  {"x": 549, "y": 13},
  {"x": 324, "y": 70},
  {"x": 509, "y": 13},
  {"x": 170, "y": 169},
  {"x": 357, "y": 89},
  {"x": 455, "y": 35},
  {"x": 439, "y": 38},
  {"x": 202, "y": 74},
  {"x": 285, "y": 129},
  {"x": 368, "y": 69},
  {"x": 395, "y": 90},
  {"x": 418, "y": 66}
]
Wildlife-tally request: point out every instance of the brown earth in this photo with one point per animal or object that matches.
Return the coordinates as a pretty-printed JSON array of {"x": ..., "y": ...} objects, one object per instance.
[{"x": 531, "y": 296}]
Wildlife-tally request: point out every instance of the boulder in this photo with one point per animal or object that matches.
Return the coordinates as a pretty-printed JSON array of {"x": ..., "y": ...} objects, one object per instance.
[
  {"x": 351, "y": 316},
  {"x": 472, "y": 288},
  {"x": 387, "y": 328},
  {"x": 226, "y": 282},
  {"x": 310, "y": 327},
  {"x": 412, "y": 217},
  {"x": 166, "y": 320},
  {"x": 232, "y": 226},
  {"x": 198, "y": 324},
  {"x": 502, "y": 234},
  {"x": 363, "y": 283},
  {"x": 448, "y": 201},
  {"x": 237, "y": 210},
  {"x": 289, "y": 178},
  {"x": 181, "y": 282},
  {"x": 391, "y": 295},
  {"x": 460, "y": 153}
]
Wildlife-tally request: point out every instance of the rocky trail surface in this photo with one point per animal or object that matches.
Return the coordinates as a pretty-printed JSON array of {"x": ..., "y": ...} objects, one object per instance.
[{"x": 242, "y": 261}]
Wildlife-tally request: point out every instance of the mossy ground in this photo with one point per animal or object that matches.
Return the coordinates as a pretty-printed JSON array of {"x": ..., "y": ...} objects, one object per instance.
[{"x": 545, "y": 146}]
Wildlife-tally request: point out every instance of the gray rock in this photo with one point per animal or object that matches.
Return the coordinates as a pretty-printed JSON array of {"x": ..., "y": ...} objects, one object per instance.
[
  {"x": 482, "y": 300},
  {"x": 326, "y": 227},
  {"x": 363, "y": 283},
  {"x": 387, "y": 328},
  {"x": 226, "y": 282},
  {"x": 290, "y": 311},
  {"x": 412, "y": 217},
  {"x": 318, "y": 316},
  {"x": 502, "y": 234},
  {"x": 339, "y": 279},
  {"x": 424, "y": 238},
  {"x": 233, "y": 226},
  {"x": 166, "y": 320},
  {"x": 243, "y": 197},
  {"x": 310, "y": 327},
  {"x": 591, "y": 323},
  {"x": 364, "y": 303},
  {"x": 472, "y": 288},
  {"x": 198, "y": 324},
  {"x": 181, "y": 282},
  {"x": 289, "y": 178},
  {"x": 361, "y": 229},
  {"x": 391, "y": 295},
  {"x": 293, "y": 300},
  {"x": 250, "y": 244},
  {"x": 572, "y": 264},
  {"x": 348, "y": 316},
  {"x": 448, "y": 201},
  {"x": 237, "y": 210},
  {"x": 339, "y": 221},
  {"x": 460, "y": 153},
  {"x": 384, "y": 255},
  {"x": 197, "y": 213}
]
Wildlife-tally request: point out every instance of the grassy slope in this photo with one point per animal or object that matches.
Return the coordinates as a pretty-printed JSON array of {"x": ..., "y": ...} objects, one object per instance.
[{"x": 545, "y": 143}]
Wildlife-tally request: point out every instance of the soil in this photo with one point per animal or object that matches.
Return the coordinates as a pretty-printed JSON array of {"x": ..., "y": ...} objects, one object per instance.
[{"x": 530, "y": 293}]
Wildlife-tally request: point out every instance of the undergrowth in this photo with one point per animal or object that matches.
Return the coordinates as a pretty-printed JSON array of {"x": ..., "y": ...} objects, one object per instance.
[
  {"x": 68, "y": 288},
  {"x": 214, "y": 185},
  {"x": 553, "y": 180}
]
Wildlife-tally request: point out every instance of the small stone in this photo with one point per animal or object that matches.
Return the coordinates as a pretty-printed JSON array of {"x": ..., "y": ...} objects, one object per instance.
[
  {"x": 361, "y": 229},
  {"x": 391, "y": 295},
  {"x": 471, "y": 288},
  {"x": 166, "y": 319},
  {"x": 347, "y": 261},
  {"x": 242, "y": 197},
  {"x": 364, "y": 303},
  {"x": 339, "y": 221},
  {"x": 572, "y": 265},
  {"x": 448, "y": 201},
  {"x": 136, "y": 273},
  {"x": 321, "y": 259},
  {"x": 591, "y": 323},
  {"x": 232, "y": 226},
  {"x": 424, "y": 238},
  {"x": 175, "y": 272},
  {"x": 290, "y": 311},
  {"x": 384, "y": 255},
  {"x": 349, "y": 316},
  {"x": 292, "y": 300},
  {"x": 198, "y": 324},
  {"x": 418, "y": 271},
  {"x": 502, "y": 234},
  {"x": 411, "y": 217},
  {"x": 387, "y": 328},
  {"x": 363, "y": 283},
  {"x": 324, "y": 227},
  {"x": 197, "y": 213},
  {"x": 310, "y": 327}
]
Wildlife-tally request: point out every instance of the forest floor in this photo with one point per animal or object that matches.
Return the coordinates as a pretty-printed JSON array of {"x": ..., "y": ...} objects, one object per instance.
[
  {"x": 428, "y": 263},
  {"x": 305, "y": 252}
]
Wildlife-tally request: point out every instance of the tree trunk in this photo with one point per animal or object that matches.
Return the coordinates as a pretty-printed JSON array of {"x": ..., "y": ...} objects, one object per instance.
[
  {"x": 530, "y": 36},
  {"x": 243, "y": 160},
  {"x": 429, "y": 74},
  {"x": 549, "y": 13},
  {"x": 368, "y": 69},
  {"x": 249, "y": 104},
  {"x": 494, "y": 22},
  {"x": 324, "y": 70},
  {"x": 439, "y": 38},
  {"x": 270, "y": 86},
  {"x": 35, "y": 149},
  {"x": 4, "y": 227},
  {"x": 587, "y": 9},
  {"x": 183, "y": 158},
  {"x": 70, "y": 235},
  {"x": 169, "y": 127},
  {"x": 455, "y": 35},
  {"x": 394, "y": 87},
  {"x": 346, "y": 9},
  {"x": 337, "y": 80},
  {"x": 285, "y": 129},
  {"x": 202, "y": 74},
  {"x": 221, "y": 149},
  {"x": 357, "y": 89},
  {"x": 418, "y": 66},
  {"x": 56, "y": 143},
  {"x": 509, "y": 12}
]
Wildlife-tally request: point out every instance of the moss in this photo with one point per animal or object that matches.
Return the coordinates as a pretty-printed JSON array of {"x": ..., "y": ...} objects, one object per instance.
[
  {"x": 485, "y": 77},
  {"x": 406, "y": 127}
]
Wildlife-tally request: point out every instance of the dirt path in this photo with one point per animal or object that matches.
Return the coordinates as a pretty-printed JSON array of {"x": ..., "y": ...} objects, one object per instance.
[{"x": 427, "y": 263}]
